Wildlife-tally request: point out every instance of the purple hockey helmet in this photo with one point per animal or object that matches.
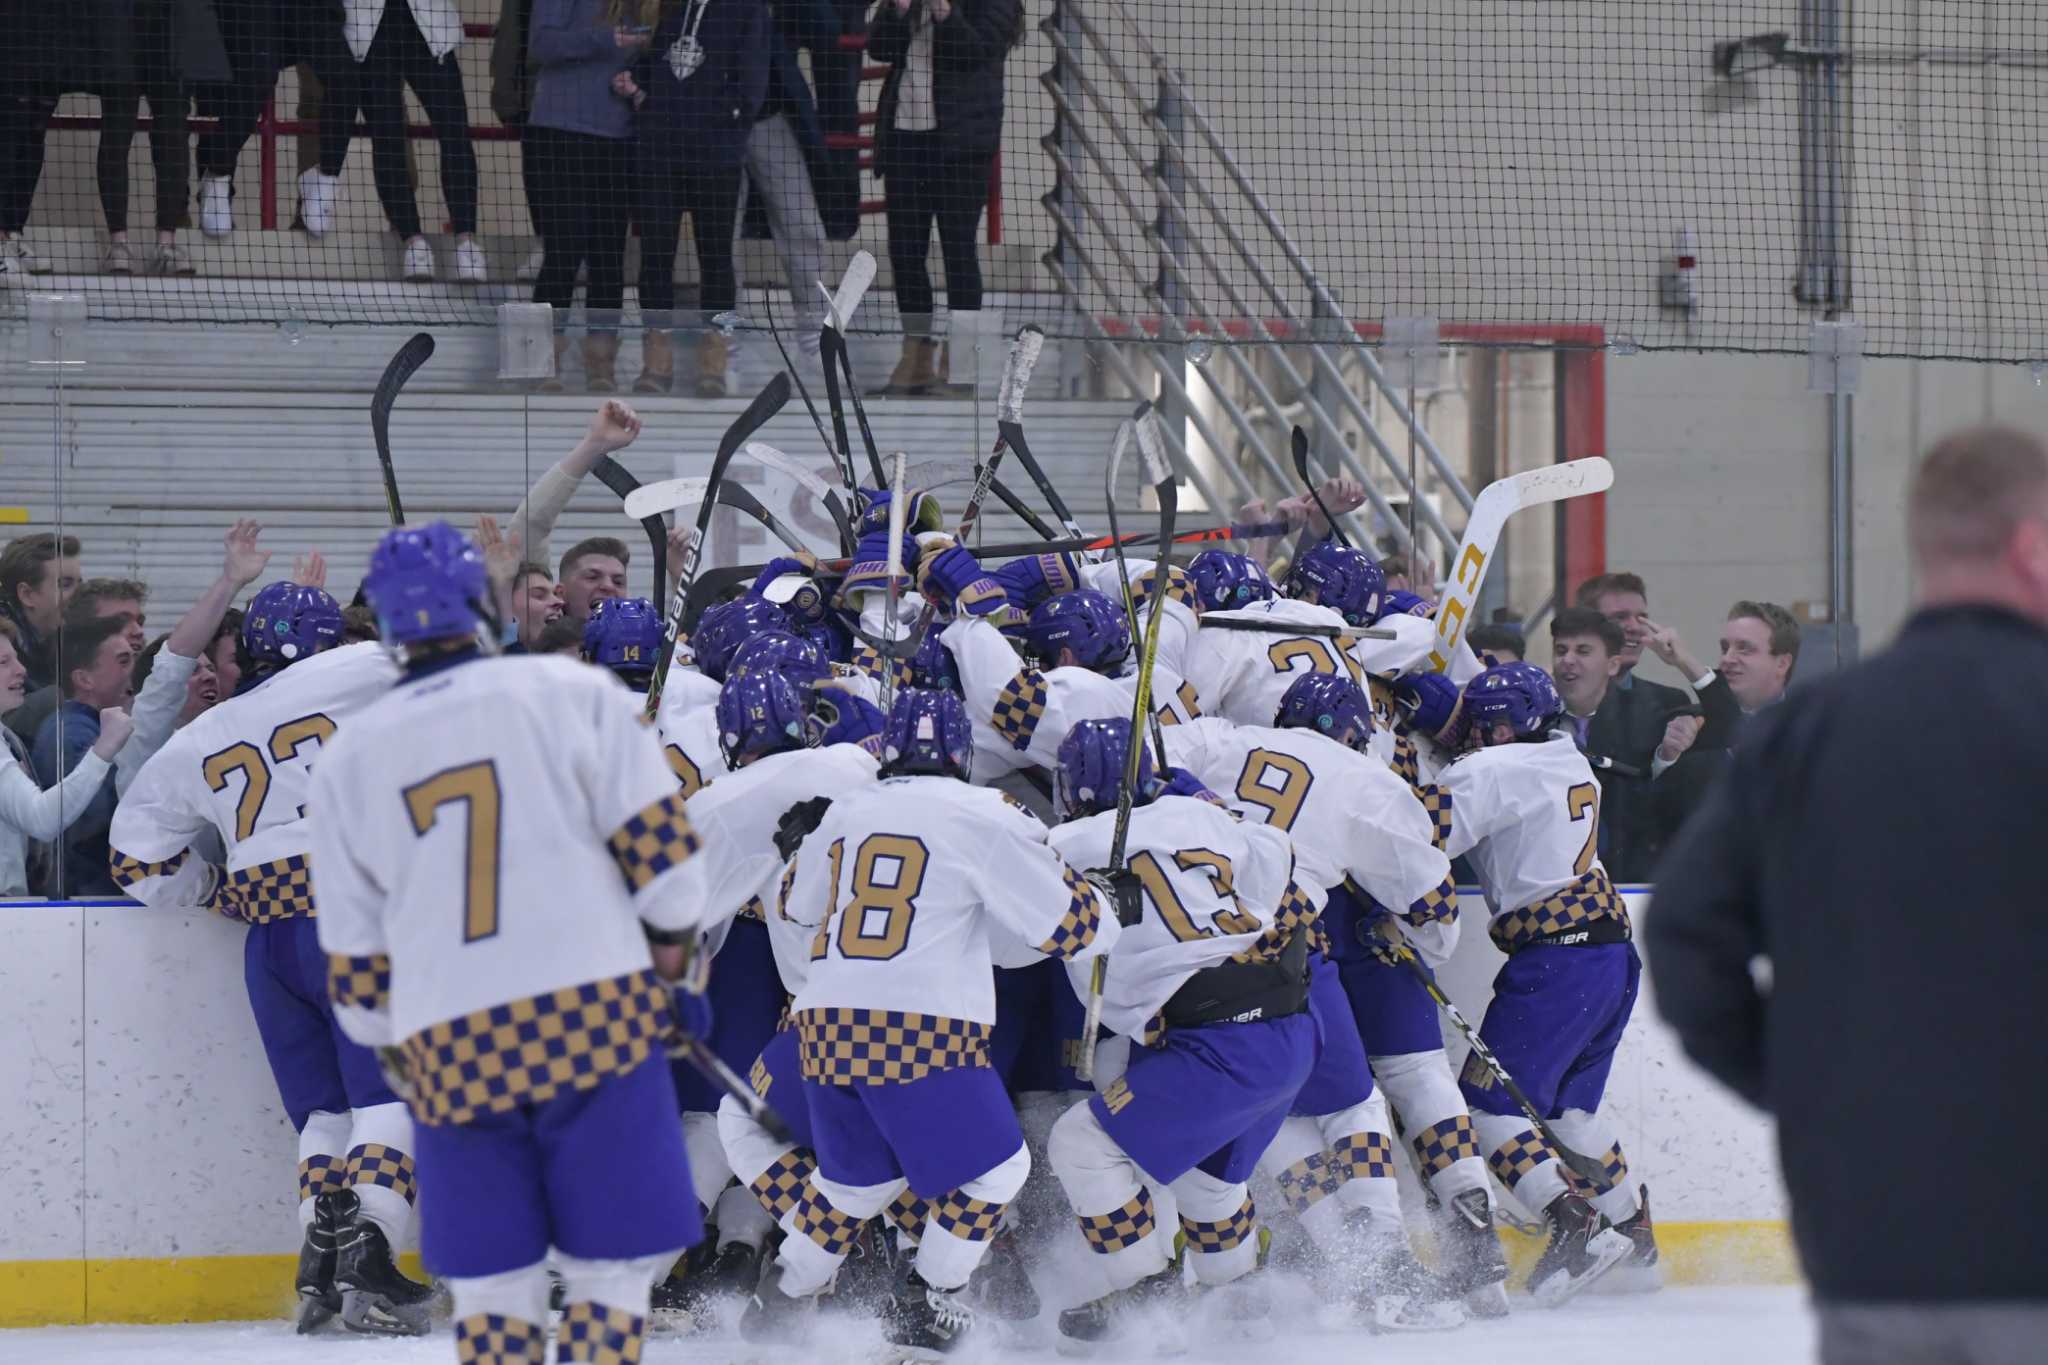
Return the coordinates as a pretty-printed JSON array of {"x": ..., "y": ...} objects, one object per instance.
[
  {"x": 725, "y": 626},
  {"x": 1225, "y": 580},
  {"x": 624, "y": 635},
  {"x": 1519, "y": 695},
  {"x": 761, "y": 712},
  {"x": 426, "y": 583},
  {"x": 1348, "y": 581},
  {"x": 1085, "y": 621},
  {"x": 1091, "y": 772},
  {"x": 1328, "y": 704},
  {"x": 780, "y": 651},
  {"x": 932, "y": 666},
  {"x": 287, "y": 622},
  {"x": 928, "y": 732}
]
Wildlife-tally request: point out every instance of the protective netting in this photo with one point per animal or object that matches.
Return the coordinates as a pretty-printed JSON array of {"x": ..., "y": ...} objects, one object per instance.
[{"x": 1156, "y": 168}]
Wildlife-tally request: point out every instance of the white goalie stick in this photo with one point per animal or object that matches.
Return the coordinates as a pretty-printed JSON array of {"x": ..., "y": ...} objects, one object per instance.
[
  {"x": 1490, "y": 511},
  {"x": 839, "y": 308}
]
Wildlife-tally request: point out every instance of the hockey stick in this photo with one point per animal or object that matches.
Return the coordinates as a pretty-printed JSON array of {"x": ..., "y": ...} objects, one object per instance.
[
  {"x": 1295, "y": 628},
  {"x": 1046, "y": 490},
  {"x": 404, "y": 363},
  {"x": 1581, "y": 1165},
  {"x": 1117, "y": 449},
  {"x": 1141, "y": 704},
  {"x": 768, "y": 457},
  {"x": 853, "y": 286},
  {"x": 1490, "y": 512},
  {"x": 620, "y": 480},
  {"x": 766, "y": 404},
  {"x": 741, "y": 499},
  {"x": 1301, "y": 468},
  {"x": 699, "y": 1054},
  {"x": 891, "y": 593},
  {"x": 1023, "y": 509},
  {"x": 796, "y": 376}
]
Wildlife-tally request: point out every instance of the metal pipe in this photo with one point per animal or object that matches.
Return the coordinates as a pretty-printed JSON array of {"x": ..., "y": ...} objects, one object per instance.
[{"x": 1841, "y": 502}]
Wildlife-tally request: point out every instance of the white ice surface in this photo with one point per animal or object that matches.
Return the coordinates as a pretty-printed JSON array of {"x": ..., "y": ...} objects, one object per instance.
[{"x": 1748, "y": 1326}]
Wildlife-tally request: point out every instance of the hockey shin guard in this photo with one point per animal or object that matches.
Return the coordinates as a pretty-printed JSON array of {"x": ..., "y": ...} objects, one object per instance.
[
  {"x": 502, "y": 1319},
  {"x": 1220, "y": 1224},
  {"x": 1119, "y": 1220},
  {"x": 323, "y": 1166},
  {"x": 605, "y": 1315},
  {"x": 1615, "y": 1194},
  {"x": 963, "y": 1222},
  {"x": 380, "y": 1167},
  {"x": 1433, "y": 1110}
]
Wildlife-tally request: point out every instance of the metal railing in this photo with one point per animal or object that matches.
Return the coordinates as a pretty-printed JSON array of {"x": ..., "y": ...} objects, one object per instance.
[{"x": 1113, "y": 298}]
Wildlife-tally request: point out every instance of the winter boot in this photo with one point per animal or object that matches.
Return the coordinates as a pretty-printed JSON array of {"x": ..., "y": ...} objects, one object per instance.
[
  {"x": 712, "y": 356},
  {"x": 915, "y": 370},
  {"x": 375, "y": 1297},
  {"x": 600, "y": 354},
  {"x": 943, "y": 384},
  {"x": 657, "y": 362},
  {"x": 1583, "y": 1246},
  {"x": 319, "y": 1300},
  {"x": 553, "y": 383},
  {"x": 1471, "y": 1254},
  {"x": 923, "y": 1322}
]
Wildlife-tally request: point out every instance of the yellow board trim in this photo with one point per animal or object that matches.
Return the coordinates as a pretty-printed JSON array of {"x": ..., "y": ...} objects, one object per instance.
[
  {"x": 1695, "y": 1253},
  {"x": 13, "y": 516},
  {"x": 152, "y": 1290}
]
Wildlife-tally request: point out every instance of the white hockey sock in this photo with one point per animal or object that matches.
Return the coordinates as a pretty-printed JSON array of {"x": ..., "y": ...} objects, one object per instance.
[
  {"x": 1593, "y": 1136},
  {"x": 380, "y": 1167},
  {"x": 323, "y": 1159},
  {"x": 963, "y": 1222},
  {"x": 1221, "y": 1226},
  {"x": 1308, "y": 1174},
  {"x": 821, "y": 1229},
  {"x": 772, "y": 1170},
  {"x": 604, "y": 1313},
  {"x": 502, "y": 1317},
  {"x": 741, "y": 1218},
  {"x": 1439, "y": 1125},
  {"x": 1524, "y": 1164},
  {"x": 709, "y": 1170},
  {"x": 1119, "y": 1220}
]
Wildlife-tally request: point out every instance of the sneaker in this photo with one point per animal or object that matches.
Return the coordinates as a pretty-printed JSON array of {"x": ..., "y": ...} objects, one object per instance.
[
  {"x": 25, "y": 260},
  {"x": 118, "y": 260},
  {"x": 1583, "y": 1246},
  {"x": 216, "y": 205},
  {"x": 171, "y": 259},
  {"x": 419, "y": 262},
  {"x": 470, "y": 265},
  {"x": 925, "y": 1322},
  {"x": 529, "y": 269},
  {"x": 14, "y": 271},
  {"x": 317, "y": 193}
]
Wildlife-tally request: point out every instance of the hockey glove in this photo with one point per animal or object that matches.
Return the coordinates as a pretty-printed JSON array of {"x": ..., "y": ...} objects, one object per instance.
[
  {"x": 1121, "y": 890},
  {"x": 842, "y": 717},
  {"x": 1181, "y": 782},
  {"x": 1429, "y": 701},
  {"x": 869, "y": 571},
  {"x": 923, "y": 513},
  {"x": 1401, "y": 603},
  {"x": 954, "y": 580},
  {"x": 807, "y": 601},
  {"x": 1032, "y": 579},
  {"x": 1377, "y": 930},
  {"x": 797, "y": 823},
  {"x": 692, "y": 1006}
]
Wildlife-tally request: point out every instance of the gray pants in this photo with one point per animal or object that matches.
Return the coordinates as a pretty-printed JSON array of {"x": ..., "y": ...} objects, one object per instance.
[
  {"x": 776, "y": 167},
  {"x": 1933, "y": 1333}
]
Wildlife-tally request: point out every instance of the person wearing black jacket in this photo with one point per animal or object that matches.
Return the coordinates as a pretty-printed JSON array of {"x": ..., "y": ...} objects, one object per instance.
[
  {"x": 937, "y": 131},
  {"x": 1874, "y": 843}
]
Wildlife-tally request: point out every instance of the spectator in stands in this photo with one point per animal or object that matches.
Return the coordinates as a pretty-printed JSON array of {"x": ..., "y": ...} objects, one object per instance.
[
  {"x": 535, "y": 603},
  {"x": 937, "y": 131},
  {"x": 836, "y": 77},
  {"x": 261, "y": 38},
  {"x": 28, "y": 812},
  {"x": 38, "y": 575},
  {"x": 223, "y": 652},
  {"x": 1585, "y": 660},
  {"x": 786, "y": 142},
  {"x": 695, "y": 90},
  {"x": 30, "y": 83},
  {"x": 96, "y": 667},
  {"x": 401, "y": 44},
  {"x": 512, "y": 77},
  {"x": 593, "y": 569},
  {"x": 1759, "y": 647},
  {"x": 97, "y": 599},
  {"x": 578, "y": 141},
  {"x": 1642, "y": 724},
  {"x": 201, "y": 690},
  {"x": 358, "y": 625},
  {"x": 1585, "y": 656},
  {"x": 1503, "y": 644},
  {"x": 1395, "y": 566}
]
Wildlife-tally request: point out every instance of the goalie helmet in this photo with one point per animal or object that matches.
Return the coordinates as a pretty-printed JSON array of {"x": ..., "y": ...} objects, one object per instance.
[
  {"x": 928, "y": 732},
  {"x": 783, "y": 652},
  {"x": 725, "y": 626},
  {"x": 1084, "y": 620},
  {"x": 1092, "y": 759},
  {"x": 1225, "y": 580},
  {"x": 624, "y": 635},
  {"x": 1520, "y": 696},
  {"x": 1328, "y": 704},
  {"x": 762, "y": 712},
  {"x": 1348, "y": 581},
  {"x": 287, "y": 622},
  {"x": 426, "y": 583}
]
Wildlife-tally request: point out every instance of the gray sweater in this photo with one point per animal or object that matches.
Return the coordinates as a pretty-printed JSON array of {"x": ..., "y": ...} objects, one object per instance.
[{"x": 573, "y": 57}]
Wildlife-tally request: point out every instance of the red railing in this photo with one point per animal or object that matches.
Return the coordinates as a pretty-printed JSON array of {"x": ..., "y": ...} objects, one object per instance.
[{"x": 269, "y": 128}]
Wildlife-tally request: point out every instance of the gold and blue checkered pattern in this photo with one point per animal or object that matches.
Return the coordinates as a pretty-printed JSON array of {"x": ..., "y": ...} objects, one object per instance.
[
  {"x": 599, "y": 1334},
  {"x": 823, "y": 1224},
  {"x": 1120, "y": 1228},
  {"x": 1207, "y": 1239},
  {"x": 1407, "y": 763},
  {"x": 1019, "y": 707},
  {"x": 1295, "y": 911},
  {"x": 1076, "y": 929},
  {"x": 128, "y": 871},
  {"x": 494, "y": 1339},
  {"x": 908, "y": 1213},
  {"x": 652, "y": 841},
  {"x": 1437, "y": 802},
  {"x": 1590, "y": 898},
  {"x": 320, "y": 1174},
  {"x": 884, "y": 1047},
  {"x": 779, "y": 1186},
  {"x": 971, "y": 1220},
  {"x": 867, "y": 659},
  {"x": 1369, "y": 1156},
  {"x": 1179, "y": 588},
  {"x": 372, "y": 1163},
  {"x": 1439, "y": 1145},
  {"x": 363, "y": 981},
  {"x": 529, "y": 1051},
  {"x": 1518, "y": 1156},
  {"x": 1613, "y": 1172},
  {"x": 1313, "y": 1179},
  {"x": 280, "y": 889},
  {"x": 1437, "y": 906}
]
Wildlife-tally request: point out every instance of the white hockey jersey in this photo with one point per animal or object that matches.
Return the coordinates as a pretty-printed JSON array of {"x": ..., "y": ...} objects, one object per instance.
[
  {"x": 1177, "y": 628},
  {"x": 1021, "y": 713},
  {"x": 1528, "y": 818},
  {"x": 1241, "y": 675},
  {"x": 1409, "y": 650},
  {"x": 243, "y": 769},
  {"x": 1213, "y": 885},
  {"x": 1348, "y": 816},
  {"x": 736, "y": 819},
  {"x": 908, "y": 886},
  {"x": 489, "y": 838}
]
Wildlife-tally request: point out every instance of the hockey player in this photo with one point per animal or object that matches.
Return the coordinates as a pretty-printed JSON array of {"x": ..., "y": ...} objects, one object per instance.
[
  {"x": 498, "y": 848},
  {"x": 913, "y": 888},
  {"x": 1242, "y": 674},
  {"x": 240, "y": 773},
  {"x": 687, "y": 729},
  {"x": 1360, "y": 839},
  {"x": 1525, "y": 809},
  {"x": 1193, "y": 1110}
]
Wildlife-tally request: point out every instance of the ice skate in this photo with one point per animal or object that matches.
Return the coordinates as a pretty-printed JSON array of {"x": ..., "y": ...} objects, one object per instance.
[
  {"x": 375, "y": 1297},
  {"x": 1471, "y": 1255},
  {"x": 319, "y": 1300},
  {"x": 1583, "y": 1246},
  {"x": 868, "y": 1275},
  {"x": 1143, "y": 1320},
  {"x": 923, "y": 1322},
  {"x": 689, "y": 1300},
  {"x": 1001, "y": 1285},
  {"x": 1639, "y": 1271},
  {"x": 771, "y": 1317}
]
